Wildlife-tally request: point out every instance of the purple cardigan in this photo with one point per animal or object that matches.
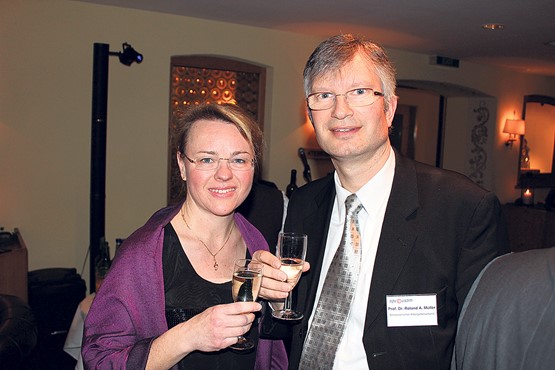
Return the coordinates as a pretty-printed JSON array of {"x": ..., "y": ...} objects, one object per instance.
[{"x": 128, "y": 311}]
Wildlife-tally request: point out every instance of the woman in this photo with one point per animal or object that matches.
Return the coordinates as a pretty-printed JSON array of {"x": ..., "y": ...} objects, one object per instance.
[{"x": 167, "y": 298}]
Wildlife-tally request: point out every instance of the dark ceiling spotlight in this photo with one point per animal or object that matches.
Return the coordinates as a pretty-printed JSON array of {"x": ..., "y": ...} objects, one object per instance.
[{"x": 128, "y": 55}]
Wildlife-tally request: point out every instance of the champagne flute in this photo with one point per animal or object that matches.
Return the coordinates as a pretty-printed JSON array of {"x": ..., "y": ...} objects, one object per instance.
[
  {"x": 291, "y": 250},
  {"x": 245, "y": 285}
]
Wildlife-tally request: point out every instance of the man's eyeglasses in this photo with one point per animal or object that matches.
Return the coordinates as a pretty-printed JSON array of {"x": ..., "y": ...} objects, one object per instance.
[
  {"x": 358, "y": 97},
  {"x": 211, "y": 163}
]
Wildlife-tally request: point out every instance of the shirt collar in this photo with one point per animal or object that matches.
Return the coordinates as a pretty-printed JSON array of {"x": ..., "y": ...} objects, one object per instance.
[{"x": 372, "y": 194}]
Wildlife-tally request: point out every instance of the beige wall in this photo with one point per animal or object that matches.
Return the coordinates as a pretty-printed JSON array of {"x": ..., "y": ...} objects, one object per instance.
[
  {"x": 427, "y": 122},
  {"x": 46, "y": 50}
]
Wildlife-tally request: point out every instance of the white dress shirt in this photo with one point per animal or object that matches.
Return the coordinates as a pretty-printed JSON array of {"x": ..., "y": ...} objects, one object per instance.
[{"x": 373, "y": 196}]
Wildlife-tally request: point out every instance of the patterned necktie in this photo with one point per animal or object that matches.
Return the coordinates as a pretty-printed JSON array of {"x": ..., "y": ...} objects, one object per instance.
[{"x": 337, "y": 295}]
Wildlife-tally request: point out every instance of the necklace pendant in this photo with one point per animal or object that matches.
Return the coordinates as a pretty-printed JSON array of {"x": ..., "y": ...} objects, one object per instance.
[{"x": 204, "y": 244}]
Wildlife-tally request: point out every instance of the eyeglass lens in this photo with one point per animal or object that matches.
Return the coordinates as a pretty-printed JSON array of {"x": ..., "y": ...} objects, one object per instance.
[{"x": 356, "y": 98}]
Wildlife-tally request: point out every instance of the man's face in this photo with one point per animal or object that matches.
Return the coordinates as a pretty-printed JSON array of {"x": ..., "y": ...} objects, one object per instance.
[{"x": 346, "y": 132}]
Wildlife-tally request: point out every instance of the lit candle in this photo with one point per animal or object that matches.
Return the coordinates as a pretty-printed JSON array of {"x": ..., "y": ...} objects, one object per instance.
[{"x": 527, "y": 197}]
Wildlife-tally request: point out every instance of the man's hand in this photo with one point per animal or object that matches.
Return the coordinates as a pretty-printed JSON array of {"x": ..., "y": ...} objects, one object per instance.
[{"x": 274, "y": 283}]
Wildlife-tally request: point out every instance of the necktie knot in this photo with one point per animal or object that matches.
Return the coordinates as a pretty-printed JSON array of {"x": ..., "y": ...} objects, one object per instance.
[{"x": 352, "y": 205}]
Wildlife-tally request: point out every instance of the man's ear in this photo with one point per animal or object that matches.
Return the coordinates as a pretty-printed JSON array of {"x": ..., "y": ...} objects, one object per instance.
[
  {"x": 390, "y": 113},
  {"x": 309, "y": 114}
]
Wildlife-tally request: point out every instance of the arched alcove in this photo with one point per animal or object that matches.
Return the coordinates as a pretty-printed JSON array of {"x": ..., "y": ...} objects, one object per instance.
[
  {"x": 451, "y": 126},
  {"x": 201, "y": 79}
]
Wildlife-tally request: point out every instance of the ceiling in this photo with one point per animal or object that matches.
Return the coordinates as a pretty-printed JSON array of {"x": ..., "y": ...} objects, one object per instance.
[{"x": 449, "y": 28}]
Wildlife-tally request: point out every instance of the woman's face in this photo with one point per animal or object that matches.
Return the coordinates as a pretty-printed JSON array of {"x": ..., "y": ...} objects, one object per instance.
[{"x": 221, "y": 190}]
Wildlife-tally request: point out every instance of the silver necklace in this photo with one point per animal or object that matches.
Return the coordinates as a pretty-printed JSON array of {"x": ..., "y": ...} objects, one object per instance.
[{"x": 203, "y": 243}]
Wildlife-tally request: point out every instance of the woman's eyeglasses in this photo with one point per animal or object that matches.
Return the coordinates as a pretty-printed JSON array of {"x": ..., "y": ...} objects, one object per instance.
[{"x": 211, "y": 163}]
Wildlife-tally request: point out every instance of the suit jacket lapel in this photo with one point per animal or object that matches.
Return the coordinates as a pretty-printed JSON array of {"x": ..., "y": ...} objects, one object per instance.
[
  {"x": 397, "y": 237},
  {"x": 316, "y": 224}
]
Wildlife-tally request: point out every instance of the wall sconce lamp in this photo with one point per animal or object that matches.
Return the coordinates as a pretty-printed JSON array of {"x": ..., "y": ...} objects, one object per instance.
[{"x": 514, "y": 127}]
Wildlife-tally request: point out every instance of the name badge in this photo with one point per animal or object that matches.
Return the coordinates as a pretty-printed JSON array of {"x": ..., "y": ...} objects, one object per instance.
[{"x": 411, "y": 310}]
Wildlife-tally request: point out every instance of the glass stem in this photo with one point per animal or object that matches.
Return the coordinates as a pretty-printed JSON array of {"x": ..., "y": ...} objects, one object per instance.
[{"x": 287, "y": 303}]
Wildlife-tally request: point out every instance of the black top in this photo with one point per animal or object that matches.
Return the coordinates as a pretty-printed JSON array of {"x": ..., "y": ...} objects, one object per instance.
[{"x": 187, "y": 294}]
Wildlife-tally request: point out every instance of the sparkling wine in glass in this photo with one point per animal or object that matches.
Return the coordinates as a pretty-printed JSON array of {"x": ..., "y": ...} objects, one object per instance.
[
  {"x": 291, "y": 250},
  {"x": 245, "y": 285}
]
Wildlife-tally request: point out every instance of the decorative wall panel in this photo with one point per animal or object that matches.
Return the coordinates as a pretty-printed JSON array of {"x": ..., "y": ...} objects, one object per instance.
[{"x": 210, "y": 80}]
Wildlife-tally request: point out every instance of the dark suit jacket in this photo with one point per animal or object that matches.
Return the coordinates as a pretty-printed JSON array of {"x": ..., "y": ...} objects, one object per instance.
[
  {"x": 264, "y": 209},
  {"x": 508, "y": 319},
  {"x": 439, "y": 231}
]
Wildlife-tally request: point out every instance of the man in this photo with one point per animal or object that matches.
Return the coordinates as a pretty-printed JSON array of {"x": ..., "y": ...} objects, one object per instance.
[
  {"x": 425, "y": 233},
  {"x": 508, "y": 319}
]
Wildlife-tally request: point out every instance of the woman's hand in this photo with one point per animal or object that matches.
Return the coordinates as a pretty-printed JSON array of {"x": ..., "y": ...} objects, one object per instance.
[
  {"x": 219, "y": 326},
  {"x": 214, "y": 329},
  {"x": 274, "y": 283}
]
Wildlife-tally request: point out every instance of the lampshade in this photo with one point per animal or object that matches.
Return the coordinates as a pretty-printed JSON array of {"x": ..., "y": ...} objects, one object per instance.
[{"x": 514, "y": 126}]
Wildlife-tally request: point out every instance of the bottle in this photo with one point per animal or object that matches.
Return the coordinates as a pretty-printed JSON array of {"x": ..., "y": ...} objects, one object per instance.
[
  {"x": 292, "y": 184},
  {"x": 103, "y": 263},
  {"x": 118, "y": 243}
]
